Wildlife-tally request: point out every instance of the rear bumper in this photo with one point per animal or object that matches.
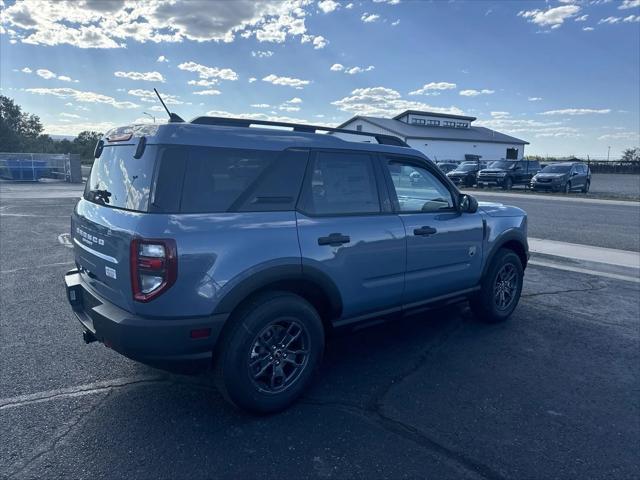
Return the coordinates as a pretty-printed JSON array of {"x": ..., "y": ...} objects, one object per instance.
[{"x": 160, "y": 342}]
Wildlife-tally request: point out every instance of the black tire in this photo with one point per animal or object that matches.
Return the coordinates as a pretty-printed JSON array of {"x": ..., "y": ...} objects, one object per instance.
[
  {"x": 245, "y": 350},
  {"x": 508, "y": 183},
  {"x": 567, "y": 188},
  {"x": 485, "y": 305},
  {"x": 585, "y": 189}
]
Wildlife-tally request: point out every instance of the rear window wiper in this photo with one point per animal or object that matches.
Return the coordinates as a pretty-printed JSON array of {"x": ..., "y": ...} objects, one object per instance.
[{"x": 99, "y": 195}]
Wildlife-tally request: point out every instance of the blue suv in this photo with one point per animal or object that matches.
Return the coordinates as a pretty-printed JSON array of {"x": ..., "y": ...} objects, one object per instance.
[{"x": 243, "y": 248}]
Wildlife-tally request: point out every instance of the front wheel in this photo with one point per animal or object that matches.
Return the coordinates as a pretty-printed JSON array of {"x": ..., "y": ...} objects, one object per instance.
[
  {"x": 508, "y": 183},
  {"x": 585, "y": 189},
  {"x": 567, "y": 187},
  {"x": 500, "y": 289},
  {"x": 270, "y": 353}
]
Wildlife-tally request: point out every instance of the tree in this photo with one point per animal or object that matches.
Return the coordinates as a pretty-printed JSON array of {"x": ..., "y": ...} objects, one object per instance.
[
  {"x": 85, "y": 143},
  {"x": 631, "y": 155}
]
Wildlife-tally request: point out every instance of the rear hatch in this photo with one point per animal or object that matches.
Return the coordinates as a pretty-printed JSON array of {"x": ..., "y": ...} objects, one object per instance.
[{"x": 105, "y": 220}]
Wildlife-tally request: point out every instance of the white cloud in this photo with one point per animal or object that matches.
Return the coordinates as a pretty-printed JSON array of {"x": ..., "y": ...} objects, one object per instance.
[
  {"x": 576, "y": 111},
  {"x": 328, "y": 6},
  {"x": 289, "y": 108},
  {"x": 146, "y": 76},
  {"x": 82, "y": 96},
  {"x": 581, "y": 18},
  {"x": 260, "y": 105},
  {"x": 620, "y": 136},
  {"x": 396, "y": 23},
  {"x": 475, "y": 93},
  {"x": 588, "y": 29},
  {"x": 286, "y": 81},
  {"x": 149, "y": 96},
  {"x": 76, "y": 128},
  {"x": 261, "y": 53},
  {"x": 203, "y": 83},
  {"x": 255, "y": 116},
  {"x": 162, "y": 59},
  {"x": 336, "y": 67},
  {"x": 354, "y": 70},
  {"x": 552, "y": 17},
  {"x": 295, "y": 100},
  {"x": 318, "y": 41},
  {"x": 629, "y": 4},
  {"x": 69, "y": 115},
  {"x": 26, "y": 70},
  {"x": 500, "y": 114},
  {"x": 369, "y": 17},
  {"x": 382, "y": 101},
  {"x": 433, "y": 88},
  {"x": 210, "y": 91},
  {"x": 208, "y": 73},
  {"x": 64, "y": 78},
  {"x": 631, "y": 18},
  {"x": 610, "y": 20},
  {"x": 349, "y": 6},
  {"x": 534, "y": 99},
  {"x": 252, "y": 79},
  {"x": 111, "y": 24},
  {"x": 46, "y": 74}
]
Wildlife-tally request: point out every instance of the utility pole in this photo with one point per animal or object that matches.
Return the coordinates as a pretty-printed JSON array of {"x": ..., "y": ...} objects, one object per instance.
[{"x": 608, "y": 152}]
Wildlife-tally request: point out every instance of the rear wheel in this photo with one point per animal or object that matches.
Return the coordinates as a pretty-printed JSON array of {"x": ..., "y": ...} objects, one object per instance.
[
  {"x": 585, "y": 189},
  {"x": 500, "y": 289},
  {"x": 270, "y": 353}
]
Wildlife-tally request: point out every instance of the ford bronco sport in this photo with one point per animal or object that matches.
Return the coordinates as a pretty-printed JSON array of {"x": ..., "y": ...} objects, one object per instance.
[{"x": 244, "y": 247}]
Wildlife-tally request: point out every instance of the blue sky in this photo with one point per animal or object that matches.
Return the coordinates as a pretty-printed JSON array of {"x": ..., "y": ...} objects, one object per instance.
[{"x": 563, "y": 75}]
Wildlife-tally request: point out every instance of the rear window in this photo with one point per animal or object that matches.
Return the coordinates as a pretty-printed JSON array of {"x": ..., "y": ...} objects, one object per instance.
[
  {"x": 119, "y": 180},
  {"x": 210, "y": 180}
]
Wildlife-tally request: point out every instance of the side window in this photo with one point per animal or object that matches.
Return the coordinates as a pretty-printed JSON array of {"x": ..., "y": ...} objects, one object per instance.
[
  {"x": 534, "y": 166},
  {"x": 340, "y": 183},
  {"x": 417, "y": 189},
  {"x": 216, "y": 178}
]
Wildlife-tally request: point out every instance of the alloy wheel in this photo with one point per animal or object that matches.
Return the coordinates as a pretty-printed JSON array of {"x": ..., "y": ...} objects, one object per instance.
[
  {"x": 278, "y": 355},
  {"x": 505, "y": 287}
]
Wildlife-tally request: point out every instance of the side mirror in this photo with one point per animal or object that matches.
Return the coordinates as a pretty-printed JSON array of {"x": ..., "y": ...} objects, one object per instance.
[
  {"x": 574, "y": 174},
  {"x": 468, "y": 204}
]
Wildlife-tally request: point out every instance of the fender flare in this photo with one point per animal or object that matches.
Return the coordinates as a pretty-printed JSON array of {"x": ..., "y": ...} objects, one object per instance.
[
  {"x": 512, "y": 235},
  {"x": 255, "y": 281}
]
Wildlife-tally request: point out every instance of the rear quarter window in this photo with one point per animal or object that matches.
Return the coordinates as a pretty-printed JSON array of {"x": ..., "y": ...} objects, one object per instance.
[{"x": 211, "y": 180}]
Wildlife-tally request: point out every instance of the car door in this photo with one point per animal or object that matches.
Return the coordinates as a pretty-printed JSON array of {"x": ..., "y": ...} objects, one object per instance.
[
  {"x": 577, "y": 177},
  {"x": 348, "y": 232},
  {"x": 444, "y": 246}
]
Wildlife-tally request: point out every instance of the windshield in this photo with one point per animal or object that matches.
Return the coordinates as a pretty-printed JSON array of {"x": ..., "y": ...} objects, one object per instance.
[
  {"x": 119, "y": 180},
  {"x": 503, "y": 164},
  {"x": 469, "y": 167},
  {"x": 556, "y": 169}
]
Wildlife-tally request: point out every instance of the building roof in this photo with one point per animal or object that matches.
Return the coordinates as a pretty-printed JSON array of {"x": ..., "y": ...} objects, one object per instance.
[
  {"x": 433, "y": 114},
  {"x": 470, "y": 134}
]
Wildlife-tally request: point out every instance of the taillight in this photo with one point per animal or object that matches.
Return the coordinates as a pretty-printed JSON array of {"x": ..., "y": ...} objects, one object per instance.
[{"x": 154, "y": 267}]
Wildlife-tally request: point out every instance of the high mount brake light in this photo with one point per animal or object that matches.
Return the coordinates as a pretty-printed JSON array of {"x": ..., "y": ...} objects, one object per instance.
[
  {"x": 122, "y": 137},
  {"x": 154, "y": 267}
]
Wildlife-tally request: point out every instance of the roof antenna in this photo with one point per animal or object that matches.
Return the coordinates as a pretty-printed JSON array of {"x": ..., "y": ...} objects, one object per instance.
[{"x": 173, "y": 118}]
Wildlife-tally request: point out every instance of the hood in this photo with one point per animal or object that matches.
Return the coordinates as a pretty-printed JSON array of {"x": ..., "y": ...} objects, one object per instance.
[
  {"x": 550, "y": 175},
  {"x": 500, "y": 210}
]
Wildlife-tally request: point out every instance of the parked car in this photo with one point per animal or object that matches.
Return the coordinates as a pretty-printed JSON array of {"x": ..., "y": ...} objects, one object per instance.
[
  {"x": 564, "y": 177},
  {"x": 446, "y": 167},
  {"x": 241, "y": 248},
  {"x": 466, "y": 173},
  {"x": 507, "y": 173}
]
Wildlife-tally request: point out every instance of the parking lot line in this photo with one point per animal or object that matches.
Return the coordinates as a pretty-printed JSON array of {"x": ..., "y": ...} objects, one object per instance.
[{"x": 569, "y": 268}]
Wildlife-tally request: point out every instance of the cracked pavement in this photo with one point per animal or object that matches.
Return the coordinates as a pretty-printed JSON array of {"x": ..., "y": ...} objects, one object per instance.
[{"x": 554, "y": 392}]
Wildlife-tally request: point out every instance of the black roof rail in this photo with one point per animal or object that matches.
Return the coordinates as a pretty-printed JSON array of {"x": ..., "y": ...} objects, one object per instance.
[{"x": 382, "y": 139}]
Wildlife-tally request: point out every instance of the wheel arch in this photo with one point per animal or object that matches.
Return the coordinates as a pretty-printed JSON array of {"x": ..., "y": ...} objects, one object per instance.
[{"x": 511, "y": 240}]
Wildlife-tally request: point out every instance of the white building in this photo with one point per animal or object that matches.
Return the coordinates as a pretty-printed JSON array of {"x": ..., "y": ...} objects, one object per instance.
[{"x": 440, "y": 136}]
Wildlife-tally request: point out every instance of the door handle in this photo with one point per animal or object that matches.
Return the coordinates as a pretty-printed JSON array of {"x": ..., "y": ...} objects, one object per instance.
[
  {"x": 424, "y": 231},
  {"x": 334, "y": 239}
]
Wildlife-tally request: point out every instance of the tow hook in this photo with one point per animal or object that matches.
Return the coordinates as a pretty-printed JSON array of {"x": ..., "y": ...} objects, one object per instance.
[{"x": 88, "y": 337}]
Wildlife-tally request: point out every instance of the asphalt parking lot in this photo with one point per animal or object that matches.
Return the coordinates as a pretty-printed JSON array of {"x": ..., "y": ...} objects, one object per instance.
[{"x": 553, "y": 393}]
